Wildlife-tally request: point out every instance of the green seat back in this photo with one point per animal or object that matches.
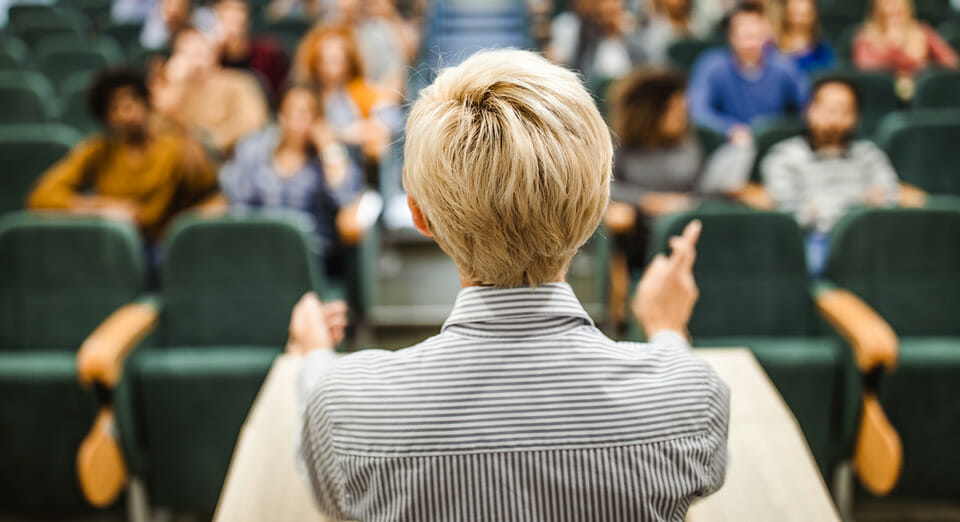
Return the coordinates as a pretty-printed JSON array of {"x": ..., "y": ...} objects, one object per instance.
[
  {"x": 905, "y": 263},
  {"x": 878, "y": 96},
  {"x": 234, "y": 280},
  {"x": 60, "y": 57},
  {"x": 127, "y": 35},
  {"x": 26, "y": 97},
  {"x": 27, "y": 151},
  {"x": 710, "y": 139},
  {"x": 938, "y": 90},
  {"x": 923, "y": 148},
  {"x": 684, "y": 53},
  {"x": 61, "y": 276},
  {"x": 750, "y": 270},
  {"x": 770, "y": 132},
  {"x": 73, "y": 100}
]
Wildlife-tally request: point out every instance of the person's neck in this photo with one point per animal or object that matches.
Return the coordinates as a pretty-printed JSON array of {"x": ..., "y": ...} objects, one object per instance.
[
  {"x": 236, "y": 49},
  {"x": 464, "y": 283}
]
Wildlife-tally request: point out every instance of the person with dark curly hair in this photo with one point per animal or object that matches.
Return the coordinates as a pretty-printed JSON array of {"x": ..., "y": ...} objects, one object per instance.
[{"x": 134, "y": 169}]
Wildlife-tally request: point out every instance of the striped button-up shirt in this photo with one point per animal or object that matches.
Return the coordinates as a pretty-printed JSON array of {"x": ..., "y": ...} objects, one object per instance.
[{"x": 519, "y": 410}]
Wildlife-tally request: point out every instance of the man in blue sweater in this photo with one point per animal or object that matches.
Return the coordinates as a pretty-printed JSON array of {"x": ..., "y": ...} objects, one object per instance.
[{"x": 730, "y": 88}]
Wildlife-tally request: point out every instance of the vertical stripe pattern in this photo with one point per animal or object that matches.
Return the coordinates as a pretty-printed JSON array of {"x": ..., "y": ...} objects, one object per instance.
[{"x": 519, "y": 410}]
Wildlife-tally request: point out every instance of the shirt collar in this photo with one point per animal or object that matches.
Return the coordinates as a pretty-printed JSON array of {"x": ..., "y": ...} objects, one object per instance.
[{"x": 487, "y": 304}]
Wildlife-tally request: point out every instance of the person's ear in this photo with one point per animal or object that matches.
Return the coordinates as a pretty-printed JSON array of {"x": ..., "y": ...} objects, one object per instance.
[{"x": 418, "y": 220}]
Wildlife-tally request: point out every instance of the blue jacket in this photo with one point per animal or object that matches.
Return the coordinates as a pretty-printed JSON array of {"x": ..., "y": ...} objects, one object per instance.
[
  {"x": 816, "y": 59},
  {"x": 720, "y": 96}
]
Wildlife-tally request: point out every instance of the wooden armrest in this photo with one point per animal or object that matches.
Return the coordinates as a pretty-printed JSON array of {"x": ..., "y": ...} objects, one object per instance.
[
  {"x": 754, "y": 195},
  {"x": 873, "y": 341},
  {"x": 102, "y": 354}
]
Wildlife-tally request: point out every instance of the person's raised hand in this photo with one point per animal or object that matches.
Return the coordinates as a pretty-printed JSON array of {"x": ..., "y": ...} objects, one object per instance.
[
  {"x": 667, "y": 293},
  {"x": 315, "y": 325}
]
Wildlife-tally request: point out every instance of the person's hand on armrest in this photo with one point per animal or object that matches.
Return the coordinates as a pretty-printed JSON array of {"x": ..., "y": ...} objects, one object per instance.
[
  {"x": 668, "y": 292},
  {"x": 315, "y": 325}
]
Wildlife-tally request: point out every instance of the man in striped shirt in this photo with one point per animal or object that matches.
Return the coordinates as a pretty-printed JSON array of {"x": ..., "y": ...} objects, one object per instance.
[{"x": 520, "y": 408}]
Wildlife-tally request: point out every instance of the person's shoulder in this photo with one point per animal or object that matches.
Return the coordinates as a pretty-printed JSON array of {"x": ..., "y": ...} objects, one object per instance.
[
  {"x": 860, "y": 148},
  {"x": 795, "y": 147},
  {"x": 713, "y": 61}
]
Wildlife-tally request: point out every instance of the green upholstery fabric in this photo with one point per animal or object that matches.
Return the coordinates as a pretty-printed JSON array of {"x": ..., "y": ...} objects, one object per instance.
[
  {"x": 879, "y": 96},
  {"x": 769, "y": 133},
  {"x": 920, "y": 399},
  {"x": 43, "y": 417},
  {"x": 807, "y": 373},
  {"x": 126, "y": 35},
  {"x": 73, "y": 101},
  {"x": 922, "y": 145},
  {"x": 59, "y": 58},
  {"x": 710, "y": 139},
  {"x": 750, "y": 271},
  {"x": 684, "y": 53},
  {"x": 938, "y": 90},
  {"x": 193, "y": 402},
  {"x": 59, "y": 279},
  {"x": 905, "y": 263},
  {"x": 70, "y": 270},
  {"x": 234, "y": 280},
  {"x": 27, "y": 151},
  {"x": 26, "y": 97}
]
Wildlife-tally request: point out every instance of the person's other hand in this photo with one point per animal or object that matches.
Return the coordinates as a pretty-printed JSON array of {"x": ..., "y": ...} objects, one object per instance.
[
  {"x": 740, "y": 135},
  {"x": 668, "y": 292},
  {"x": 315, "y": 325}
]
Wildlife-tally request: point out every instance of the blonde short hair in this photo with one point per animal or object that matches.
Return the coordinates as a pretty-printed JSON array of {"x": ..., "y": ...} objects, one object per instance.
[{"x": 510, "y": 163}]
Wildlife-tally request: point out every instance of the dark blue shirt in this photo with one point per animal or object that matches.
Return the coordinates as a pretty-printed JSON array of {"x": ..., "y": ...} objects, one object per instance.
[
  {"x": 814, "y": 59},
  {"x": 722, "y": 95}
]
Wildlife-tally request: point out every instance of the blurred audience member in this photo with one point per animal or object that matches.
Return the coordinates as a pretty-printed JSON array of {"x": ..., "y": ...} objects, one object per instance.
[
  {"x": 133, "y": 170},
  {"x": 388, "y": 44},
  {"x": 172, "y": 16},
  {"x": 656, "y": 167},
  {"x": 240, "y": 50},
  {"x": 732, "y": 87},
  {"x": 358, "y": 113},
  {"x": 709, "y": 13},
  {"x": 818, "y": 177},
  {"x": 218, "y": 104},
  {"x": 296, "y": 165},
  {"x": 799, "y": 36},
  {"x": 131, "y": 11},
  {"x": 669, "y": 21},
  {"x": 893, "y": 39},
  {"x": 600, "y": 39},
  {"x": 298, "y": 9}
]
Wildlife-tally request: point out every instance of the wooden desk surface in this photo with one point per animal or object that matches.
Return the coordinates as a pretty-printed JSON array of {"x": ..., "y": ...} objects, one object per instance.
[{"x": 771, "y": 474}]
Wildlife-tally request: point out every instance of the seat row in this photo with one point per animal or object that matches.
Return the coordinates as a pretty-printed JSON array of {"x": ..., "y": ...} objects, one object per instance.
[{"x": 883, "y": 328}]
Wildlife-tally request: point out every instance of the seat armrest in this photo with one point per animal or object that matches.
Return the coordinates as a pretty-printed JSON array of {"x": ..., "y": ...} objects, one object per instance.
[
  {"x": 873, "y": 341},
  {"x": 101, "y": 356}
]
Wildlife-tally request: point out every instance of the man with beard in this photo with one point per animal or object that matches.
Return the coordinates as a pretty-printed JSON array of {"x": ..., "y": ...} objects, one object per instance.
[
  {"x": 133, "y": 170},
  {"x": 819, "y": 176}
]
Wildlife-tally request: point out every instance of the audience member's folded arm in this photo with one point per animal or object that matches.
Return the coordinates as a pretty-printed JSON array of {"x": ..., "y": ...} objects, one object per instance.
[
  {"x": 59, "y": 186},
  {"x": 873, "y": 341},
  {"x": 102, "y": 355}
]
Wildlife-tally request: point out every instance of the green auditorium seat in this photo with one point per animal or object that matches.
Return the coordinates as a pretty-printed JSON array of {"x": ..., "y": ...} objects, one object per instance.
[
  {"x": 754, "y": 292},
  {"x": 73, "y": 100},
  {"x": 879, "y": 97},
  {"x": 684, "y": 53},
  {"x": 768, "y": 133},
  {"x": 34, "y": 22},
  {"x": 922, "y": 144},
  {"x": 59, "y": 278},
  {"x": 26, "y": 97},
  {"x": 938, "y": 90},
  {"x": 710, "y": 139},
  {"x": 227, "y": 289},
  {"x": 13, "y": 54},
  {"x": 127, "y": 35},
  {"x": 59, "y": 57},
  {"x": 27, "y": 151},
  {"x": 905, "y": 263}
]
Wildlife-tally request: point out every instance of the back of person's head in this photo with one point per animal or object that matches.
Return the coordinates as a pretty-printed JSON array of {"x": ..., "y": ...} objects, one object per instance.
[
  {"x": 639, "y": 103},
  {"x": 309, "y": 66},
  {"x": 107, "y": 83},
  {"x": 509, "y": 162}
]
